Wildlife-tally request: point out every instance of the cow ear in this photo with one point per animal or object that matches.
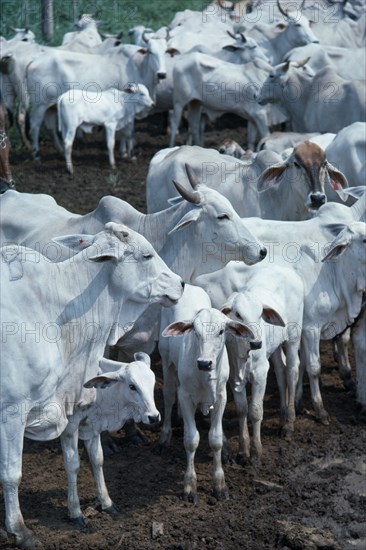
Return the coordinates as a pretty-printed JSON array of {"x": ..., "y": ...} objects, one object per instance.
[
  {"x": 335, "y": 228},
  {"x": 226, "y": 310},
  {"x": 103, "y": 381},
  {"x": 271, "y": 316},
  {"x": 77, "y": 242},
  {"x": 269, "y": 177},
  {"x": 339, "y": 245},
  {"x": 336, "y": 251},
  {"x": 355, "y": 192},
  {"x": 240, "y": 330},
  {"x": 143, "y": 357},
  {"x": 191, "y": 217},
  {"x": 178, "y": 328},
  {"x": 338, "y": 180}
]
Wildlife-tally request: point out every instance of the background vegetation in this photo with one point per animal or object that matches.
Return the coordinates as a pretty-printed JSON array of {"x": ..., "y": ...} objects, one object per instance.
[{"x": 117, "y": 15}]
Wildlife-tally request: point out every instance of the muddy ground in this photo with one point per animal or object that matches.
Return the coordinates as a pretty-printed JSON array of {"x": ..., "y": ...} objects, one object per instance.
[{"x": 309, "y": 493}]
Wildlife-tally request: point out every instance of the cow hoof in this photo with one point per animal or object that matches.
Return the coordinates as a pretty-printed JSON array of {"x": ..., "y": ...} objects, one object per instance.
[
  {"x": 221, "y": 494},
  {"x": 79, "y": 522},
  {"x": 109, "y": 446},
  {"x": 191, "y": 497},
  {"x": 286, "y": 431},
  {"x": 323, "y": 417},
  {"x": 30, "y": 542},
  {"x": 113, "y": 510},
  {"x": 134, "y": 435},
  {"x": 349, "y": 384},
  {"x": 161, "y": 447},
  {"x": 241, "y": 459}
]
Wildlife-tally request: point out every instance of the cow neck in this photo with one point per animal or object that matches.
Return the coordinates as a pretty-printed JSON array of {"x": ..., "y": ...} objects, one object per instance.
[
  {"x": 155, "y": 227},
  {"x": 91, "y": 295}
]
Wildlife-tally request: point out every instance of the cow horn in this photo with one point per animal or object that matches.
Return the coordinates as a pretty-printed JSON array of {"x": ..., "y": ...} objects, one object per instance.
[
  {"x": 284, "y": 13},
  {"x": 303, "y": 62},
  {"x": 188, "y": 195},
  {"x": 231, "y": 34},
  {"x": 191, "y": 176},
  {"x": 243, "y": 37},
  {"x": 145, "y": 37}
]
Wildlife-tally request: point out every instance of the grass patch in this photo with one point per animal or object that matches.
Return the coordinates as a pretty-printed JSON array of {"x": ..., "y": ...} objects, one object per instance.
[{"x": 117, "y": 15}]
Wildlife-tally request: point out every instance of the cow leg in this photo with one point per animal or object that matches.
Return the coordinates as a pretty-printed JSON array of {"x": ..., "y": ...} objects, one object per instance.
[
  {"x": 191, "y": 440},
  {"x": 359, "y": 345},
  {"x": 310, "y": 344},
  {"x": 69, "y": 444},
  {"x": 68, "y": 143},
  {"x": 256, "y": 411},
  {"x": 194, "y": 122},
  {"x": 174, "y": 123},
  {"x": 169, "y": 394},
  {"x": 241, "y": 404},
  {"x": 22, "y": 117},
  {"x": 36, "y": 119},
  {"x": 215, "y": 438},
  {"x": 11, "y": 437},
  {"x": 262, "y": 127},
  {"x": 279, "y": 367},
  {"x": 341, "y": 356},
  {"x": 127, "y": 142},
  {"x": 252, "y": 134},
  {"x": 110, "y": 130},
  {"x": 292, "y": 375},
  {"x": 95, "y": 453}
]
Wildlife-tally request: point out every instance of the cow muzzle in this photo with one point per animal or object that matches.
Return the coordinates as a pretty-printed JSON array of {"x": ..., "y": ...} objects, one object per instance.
[
  {"x": 204, "y": 365},
  {"x": 153, "y": 418},
  {"x": 255, "y": 345},
  {"x": 317, "y": 200}
]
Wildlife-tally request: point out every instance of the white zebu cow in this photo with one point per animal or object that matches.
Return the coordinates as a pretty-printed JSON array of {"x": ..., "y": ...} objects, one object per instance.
[
  {"x": 201, "y": 81},
  {"x": 259, "y": 187},
  {"x": 58, "y": 71},
  {"x": 77, "y": 307},
  {"x": 86, "y": 36},
  {"x": 324, "y": 102},
  {"x": 333, "y": 292},
  {"x": 125, "y": 391},
  {"x": 348, "y": 62},
  {"x": 348, "y": 153},
  {"x": 197, "y": 366},
  {"x": 260, "y": 299},
  {"x": 278, "y": 37},
  {"x": 113, "y": 109}
]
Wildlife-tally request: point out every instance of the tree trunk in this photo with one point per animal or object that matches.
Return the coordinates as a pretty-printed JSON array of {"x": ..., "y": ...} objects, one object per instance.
[{"x": 47, "y": 19}]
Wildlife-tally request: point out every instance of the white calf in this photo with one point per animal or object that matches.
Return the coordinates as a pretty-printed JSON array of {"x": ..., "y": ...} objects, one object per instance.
[
  {"x": 114, "y": 109},
  {"x": 260, "y": 300},
  {"x": 129, "y": 394},
  {"x": 199, "y": 363}
]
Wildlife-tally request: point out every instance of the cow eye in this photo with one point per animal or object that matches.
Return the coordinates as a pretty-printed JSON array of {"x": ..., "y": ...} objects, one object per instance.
[
  {"x": 148, "y": 256},
  {"x": 221, "y": 332},
  {"x": 239, "y": 316},
  {"x": 132, "y": 387},
  {"x": 223, "y": 217},
  {"x": 296, "y": 164}
]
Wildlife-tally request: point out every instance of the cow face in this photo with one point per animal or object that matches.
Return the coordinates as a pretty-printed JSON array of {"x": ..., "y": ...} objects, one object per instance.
[
  {"x": 217, "y": 225},
  {"x": 155, "y": 50},
  {"x": 306, "y": 172},
  {"x": 137, "y": 268},
  {"x": 133, "y": 387},
  {"x": 296, "y": 30}
]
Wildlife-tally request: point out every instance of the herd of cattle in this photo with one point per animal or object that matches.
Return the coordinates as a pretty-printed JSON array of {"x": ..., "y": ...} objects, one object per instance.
[{"x": 263, "y": 280}]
